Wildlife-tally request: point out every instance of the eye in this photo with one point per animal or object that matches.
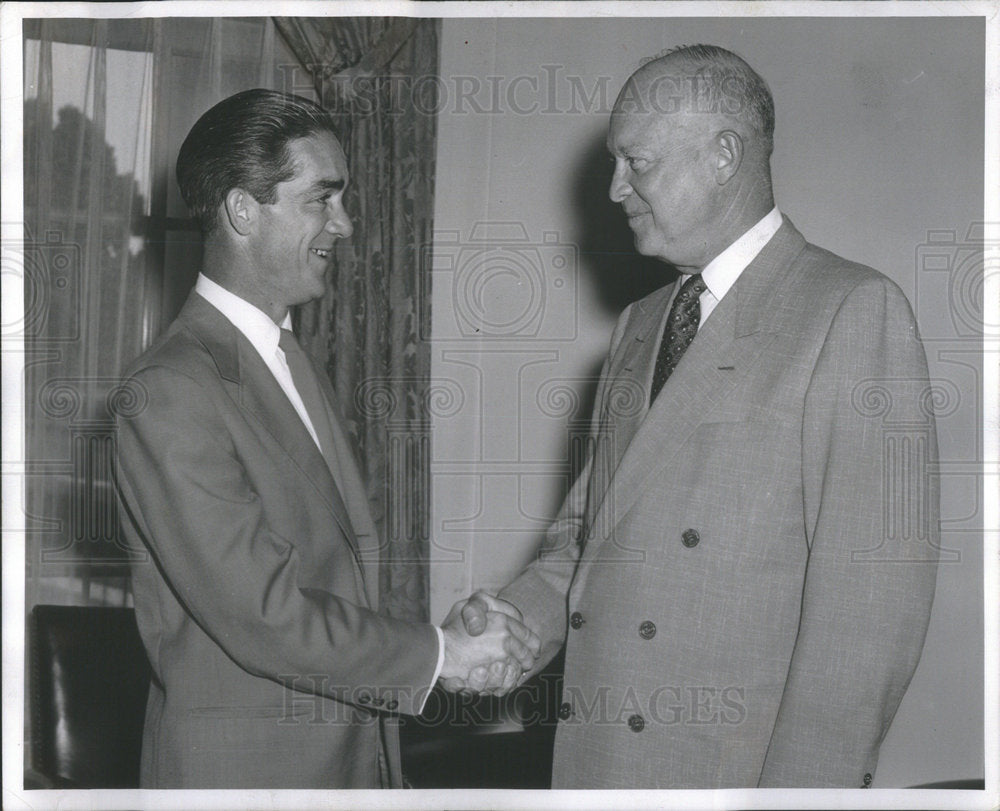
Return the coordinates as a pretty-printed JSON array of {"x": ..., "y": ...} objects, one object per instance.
[{"x": 636, "y": 164}]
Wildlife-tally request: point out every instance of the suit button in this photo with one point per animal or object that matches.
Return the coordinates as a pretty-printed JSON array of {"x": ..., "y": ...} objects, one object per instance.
[
  {"x": 636, "y": 723},
  {"x": 576, "y": 620},
  {"x": 647, "y": 630},
  {"x": 565, "y": 711},
  {"x": 690, "y": 538},
  {"x": 364, "y": 698},
  {"x": 868, "y": 781},
  {"x": 391, "y": 704}
]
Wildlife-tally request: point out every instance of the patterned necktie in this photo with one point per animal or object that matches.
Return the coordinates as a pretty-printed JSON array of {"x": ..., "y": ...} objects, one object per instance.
[{"x": 682, "y": 324}]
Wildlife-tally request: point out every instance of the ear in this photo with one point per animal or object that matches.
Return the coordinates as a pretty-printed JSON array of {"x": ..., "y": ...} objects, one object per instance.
[
  {"x": 729, "y": 155},
  {"x": 241, "y": 210}
]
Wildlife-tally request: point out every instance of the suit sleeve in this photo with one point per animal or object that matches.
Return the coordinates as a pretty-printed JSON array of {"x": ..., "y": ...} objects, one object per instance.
[
  {"x": 186, "y": 491},
  {"x": 871, "y": 518},
  {"x": 540, "y": 592}
]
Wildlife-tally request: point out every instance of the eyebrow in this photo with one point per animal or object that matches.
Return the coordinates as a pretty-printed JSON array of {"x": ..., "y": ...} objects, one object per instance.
[{"x": 328, "y": 184}]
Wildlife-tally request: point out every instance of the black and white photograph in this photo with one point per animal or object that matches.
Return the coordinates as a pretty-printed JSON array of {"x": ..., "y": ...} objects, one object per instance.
[{"x": 494, "y": 405}]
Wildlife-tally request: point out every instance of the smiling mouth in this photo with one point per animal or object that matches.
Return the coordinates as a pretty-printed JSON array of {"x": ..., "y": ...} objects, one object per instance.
[{"x": 322, "y": 253}]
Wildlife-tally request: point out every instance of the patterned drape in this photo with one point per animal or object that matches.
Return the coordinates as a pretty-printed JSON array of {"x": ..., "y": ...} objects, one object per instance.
[{"x": 378, "y": 76}]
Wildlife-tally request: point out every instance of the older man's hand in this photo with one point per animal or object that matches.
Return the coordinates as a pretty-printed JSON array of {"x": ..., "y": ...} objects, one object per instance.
[{"x": 473, "y": 631}]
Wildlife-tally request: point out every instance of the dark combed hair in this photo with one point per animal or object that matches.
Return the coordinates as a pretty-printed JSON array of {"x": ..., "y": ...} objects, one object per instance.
[
  {"x": 242, "y": 142},
  {"x": 728, "y": 83}
]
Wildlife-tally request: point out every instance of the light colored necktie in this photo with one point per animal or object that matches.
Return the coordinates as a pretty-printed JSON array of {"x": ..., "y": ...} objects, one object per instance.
[
  {"x": 304, "y": 378},
  {"x": 307, "y": 385}
]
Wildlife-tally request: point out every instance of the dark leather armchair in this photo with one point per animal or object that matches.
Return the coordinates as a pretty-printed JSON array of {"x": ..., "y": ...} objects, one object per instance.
[{"x": 89, "y": 681}]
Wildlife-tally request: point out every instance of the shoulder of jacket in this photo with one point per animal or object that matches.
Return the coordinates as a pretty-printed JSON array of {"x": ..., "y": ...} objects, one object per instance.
[
  {"x": 827, "y": 276},
  {"x": 178, "y": 349}
]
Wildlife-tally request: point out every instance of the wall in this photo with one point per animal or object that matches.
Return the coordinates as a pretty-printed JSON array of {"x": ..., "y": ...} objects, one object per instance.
[{"x": 879, "y": 140}]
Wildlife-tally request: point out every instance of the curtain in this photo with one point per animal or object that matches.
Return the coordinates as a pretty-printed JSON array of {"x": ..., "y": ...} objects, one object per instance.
[
  {"x": 86, "y": 192},
  {"x": 110, "y": 255},
  {"x": 378, "y": 76}
]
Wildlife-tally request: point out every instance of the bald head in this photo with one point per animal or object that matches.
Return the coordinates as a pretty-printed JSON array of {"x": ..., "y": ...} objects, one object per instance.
[
  {"x": 691, "y": 135},
  {"x": 704, "y": 86}
]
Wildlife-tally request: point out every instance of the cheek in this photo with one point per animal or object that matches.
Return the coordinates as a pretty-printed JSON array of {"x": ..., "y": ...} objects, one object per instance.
[
  {"x": 305, "y": 240},
  {"x": 662, "y": 202}
]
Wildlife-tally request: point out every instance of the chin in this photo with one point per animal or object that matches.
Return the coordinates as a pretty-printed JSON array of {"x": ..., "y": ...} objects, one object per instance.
[
  {"x": 309, "y": 294},
  {"x": 319, "y": 286},
  {"x": 643, "y": 247}
]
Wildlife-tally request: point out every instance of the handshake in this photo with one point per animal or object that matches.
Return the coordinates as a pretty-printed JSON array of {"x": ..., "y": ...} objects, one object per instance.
[{"x": 487, "y": 647}]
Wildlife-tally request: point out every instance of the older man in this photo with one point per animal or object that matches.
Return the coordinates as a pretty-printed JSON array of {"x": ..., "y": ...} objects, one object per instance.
[
  {"x": 743, "y": 574},
  {"x": 258, "y": 609}
]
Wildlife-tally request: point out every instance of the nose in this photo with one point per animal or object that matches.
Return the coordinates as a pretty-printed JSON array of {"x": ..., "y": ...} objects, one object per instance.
[
  {"x": 339, "y": 223},
  {"x": 620, "y": 188}
]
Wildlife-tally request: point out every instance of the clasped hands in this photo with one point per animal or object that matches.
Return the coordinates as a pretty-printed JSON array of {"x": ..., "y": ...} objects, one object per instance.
[{"x": 487, "y": 646}]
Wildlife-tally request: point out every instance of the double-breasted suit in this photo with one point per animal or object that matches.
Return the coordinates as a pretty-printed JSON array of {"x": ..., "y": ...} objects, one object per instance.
[
  {"x": 743, "y": 573},
  {"x": 257, "y": 602}
]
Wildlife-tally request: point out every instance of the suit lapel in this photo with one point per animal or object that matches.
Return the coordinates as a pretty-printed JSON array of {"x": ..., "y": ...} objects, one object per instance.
[
  {"x": 355, "y": 495},
  {"x": 262, "y": 398},
  {"x": 624, "y": 403},
  {"x": 635, "y": 372},
  {"x": 718, "y": 360}
]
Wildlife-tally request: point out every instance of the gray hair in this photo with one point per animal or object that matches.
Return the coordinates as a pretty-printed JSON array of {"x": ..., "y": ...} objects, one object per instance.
[{"x": 721, "y": 82}]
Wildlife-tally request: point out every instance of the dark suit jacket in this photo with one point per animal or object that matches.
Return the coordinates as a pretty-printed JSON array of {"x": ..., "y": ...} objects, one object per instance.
[
  {"x": 749, "y": 564},
  {"x": 256, "y": 583}
]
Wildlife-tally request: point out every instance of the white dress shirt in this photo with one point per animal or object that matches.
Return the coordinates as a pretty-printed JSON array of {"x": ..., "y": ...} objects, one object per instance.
[
  {"x": 722, "y": 272},
  {"x": 263, "y": 335}
]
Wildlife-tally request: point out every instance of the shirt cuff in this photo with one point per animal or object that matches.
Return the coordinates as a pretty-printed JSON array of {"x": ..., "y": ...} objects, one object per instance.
[{"x": 437, "y": 670}]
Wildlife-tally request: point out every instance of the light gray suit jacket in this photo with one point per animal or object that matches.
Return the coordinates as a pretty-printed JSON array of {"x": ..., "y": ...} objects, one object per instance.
[
  {"x": 748, "y": 565},
  {"x": 257, "y": 607}
]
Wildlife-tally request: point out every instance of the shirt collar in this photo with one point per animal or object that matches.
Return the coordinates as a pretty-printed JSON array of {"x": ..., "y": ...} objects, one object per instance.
[
  {"x": 722, "y": 272},
  {"x": 253, "y": 322}
]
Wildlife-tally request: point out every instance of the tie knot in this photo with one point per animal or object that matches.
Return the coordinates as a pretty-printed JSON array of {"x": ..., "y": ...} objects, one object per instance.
[{"x": 694, "y": 286}]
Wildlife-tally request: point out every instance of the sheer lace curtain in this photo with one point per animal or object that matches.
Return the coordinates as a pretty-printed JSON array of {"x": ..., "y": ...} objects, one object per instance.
[{"x": 110, "y": 255}]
